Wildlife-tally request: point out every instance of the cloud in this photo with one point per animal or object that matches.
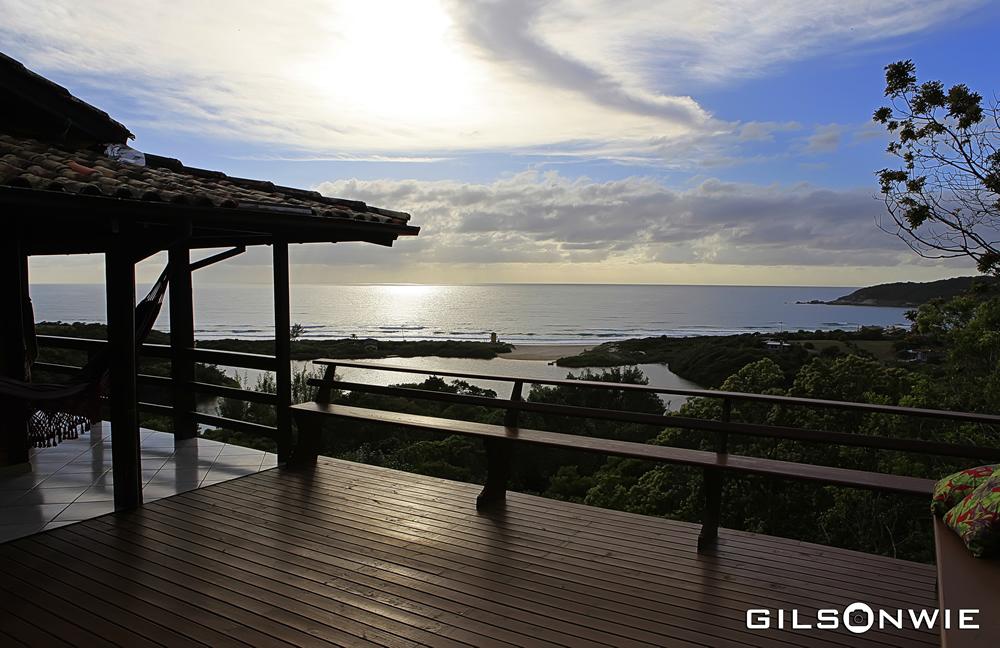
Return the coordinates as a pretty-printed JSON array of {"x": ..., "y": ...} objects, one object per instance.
[
  {"x": 546, "y": 218},
  {"x": 426, "y": 78},
  {"x": 825, "y": 139},
  {"x": 674, "y": 43},
  {"x": 378, "y": 78},
  {"x": 400, "y": 159},
  {"x": 504, "y": 31},
  {"x": 869, "y": 131},
  {"x": 763, "y": 131}
]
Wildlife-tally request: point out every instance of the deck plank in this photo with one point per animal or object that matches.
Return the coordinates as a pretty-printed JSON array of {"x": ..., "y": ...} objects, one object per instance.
[
  {"x": 618, "y": 527},
  {"x": 358, "y": 555},
  {"x": 536, "y": 533},
  {"x": 577, "y": 577},
  {"x": 636, "y": 628}
]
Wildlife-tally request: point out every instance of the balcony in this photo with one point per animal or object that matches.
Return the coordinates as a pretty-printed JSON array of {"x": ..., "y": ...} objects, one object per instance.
[{"x": 349, "y": 554}]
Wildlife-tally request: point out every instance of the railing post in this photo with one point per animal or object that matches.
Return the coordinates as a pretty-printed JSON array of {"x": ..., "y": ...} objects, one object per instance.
[
  {"x": 182, "y": 341},
  {"x": 282, "y": 349},
  {"x": 325, "y": 391},
  {"x": 714, "y": 478},
  {"x": 498, "y": 455},
  {"x": 310, "y": 428}
]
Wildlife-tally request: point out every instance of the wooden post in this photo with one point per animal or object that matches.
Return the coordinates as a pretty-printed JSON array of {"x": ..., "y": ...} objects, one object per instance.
[
  {"x": 498, "y": 457},
  {"x": 120, "y": 279},
  {"x": 310, "y": 428},
  {"x": 282, "y": 349},
  {"x": 182, "y": 341},
  {"x": 325, "y": 392},
  {"x": 13, "y": 351},
  {"x": 714, "y": 478}
]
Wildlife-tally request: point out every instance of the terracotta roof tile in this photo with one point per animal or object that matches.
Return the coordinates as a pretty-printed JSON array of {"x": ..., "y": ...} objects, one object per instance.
[{"x": 34, "y": 164}]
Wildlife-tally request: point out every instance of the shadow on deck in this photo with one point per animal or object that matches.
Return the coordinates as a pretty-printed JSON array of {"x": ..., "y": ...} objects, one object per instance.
[{"x": 357, "y": 555}]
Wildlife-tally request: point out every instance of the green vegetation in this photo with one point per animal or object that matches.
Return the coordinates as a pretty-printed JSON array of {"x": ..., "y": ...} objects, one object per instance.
[
  {"x": 356, "y": 348},
  {"x": 707, "y": 361},
  {"x": 710, "y": 360},
  {"x": 911, "y": 294}
]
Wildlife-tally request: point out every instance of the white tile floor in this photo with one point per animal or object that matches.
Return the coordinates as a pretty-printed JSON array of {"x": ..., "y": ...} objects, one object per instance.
[{"x": 73, "y": 481}]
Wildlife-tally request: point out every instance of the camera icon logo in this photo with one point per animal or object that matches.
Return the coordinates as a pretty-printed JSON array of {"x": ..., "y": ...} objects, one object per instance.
[{"x": 859, "y": 618}]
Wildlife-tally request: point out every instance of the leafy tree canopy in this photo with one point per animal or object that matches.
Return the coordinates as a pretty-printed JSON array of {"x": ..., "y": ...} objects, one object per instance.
[{"x": 944, "y": 201}]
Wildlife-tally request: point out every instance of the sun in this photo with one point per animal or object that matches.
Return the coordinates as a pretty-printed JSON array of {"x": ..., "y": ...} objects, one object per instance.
[{"x": 399, "y": 62}]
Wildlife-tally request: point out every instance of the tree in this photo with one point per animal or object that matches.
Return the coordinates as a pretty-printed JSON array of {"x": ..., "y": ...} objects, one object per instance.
[{"x": 945, "y": 199}]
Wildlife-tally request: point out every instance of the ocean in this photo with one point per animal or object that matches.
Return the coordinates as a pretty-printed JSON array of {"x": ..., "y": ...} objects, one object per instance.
[{"x": 518, "y": 313}]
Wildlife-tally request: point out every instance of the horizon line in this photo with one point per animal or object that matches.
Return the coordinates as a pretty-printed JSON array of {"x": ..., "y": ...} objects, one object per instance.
[{"x": 491, "y": 283}]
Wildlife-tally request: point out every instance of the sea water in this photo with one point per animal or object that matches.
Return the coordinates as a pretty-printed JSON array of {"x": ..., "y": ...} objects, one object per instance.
[{"x": 518, "y": 313}]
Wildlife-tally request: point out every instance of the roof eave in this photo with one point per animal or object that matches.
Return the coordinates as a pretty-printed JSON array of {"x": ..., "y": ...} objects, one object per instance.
[{"x": 101, "y": 217}]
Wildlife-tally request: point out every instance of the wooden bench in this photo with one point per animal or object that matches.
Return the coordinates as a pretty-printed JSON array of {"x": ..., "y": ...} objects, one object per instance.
[
  {"x": 966, "y": 582},
  {"x": 499, "y": 438}
]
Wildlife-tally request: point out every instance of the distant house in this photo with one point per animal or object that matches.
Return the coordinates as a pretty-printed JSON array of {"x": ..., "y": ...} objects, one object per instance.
[
  {"x": 916, "y": 355},
  {"x": 776, "y": 345}
]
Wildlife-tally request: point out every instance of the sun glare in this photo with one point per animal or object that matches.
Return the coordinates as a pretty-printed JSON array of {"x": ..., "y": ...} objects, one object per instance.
[
  {"x": 410, "y": 291},
  {"x": 397, "y": 61}
]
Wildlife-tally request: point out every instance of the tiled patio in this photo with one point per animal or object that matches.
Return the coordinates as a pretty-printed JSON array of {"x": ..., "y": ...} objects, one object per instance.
[{"x": 73, "y": 481}]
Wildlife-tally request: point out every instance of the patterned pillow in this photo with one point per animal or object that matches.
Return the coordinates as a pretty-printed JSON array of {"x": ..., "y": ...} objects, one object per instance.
[
  {"x": 949, "y": 491},
  {"x": 976, "y": 519}
]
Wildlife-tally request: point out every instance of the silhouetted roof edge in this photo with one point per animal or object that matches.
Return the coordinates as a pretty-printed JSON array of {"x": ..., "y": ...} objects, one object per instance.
[{"x": 56, "y": 100}]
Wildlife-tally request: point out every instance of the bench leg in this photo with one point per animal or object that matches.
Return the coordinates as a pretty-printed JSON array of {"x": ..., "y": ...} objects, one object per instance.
[
  {"x": 306, "y": 450},
  {"x": 494, "y": 493},
  {"x": 713, "y": 510}
]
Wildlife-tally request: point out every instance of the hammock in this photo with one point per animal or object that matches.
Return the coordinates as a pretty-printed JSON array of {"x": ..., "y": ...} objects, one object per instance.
[{"x": 62, "y": 411}]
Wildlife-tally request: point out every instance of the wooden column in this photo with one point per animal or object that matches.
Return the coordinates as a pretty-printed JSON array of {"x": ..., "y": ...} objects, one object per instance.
[
  {"x": 120, "y": 279},
  {"x": 714, "y": 479},
  {"x": 181, "y": 341},
  {"x": 282, "y": 349},
  {"x": 13, "y": 322}
]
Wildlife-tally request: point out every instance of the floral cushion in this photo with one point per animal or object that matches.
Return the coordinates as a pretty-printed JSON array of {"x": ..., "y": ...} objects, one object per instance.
[
  {"x": 976, "y": 519},
  {"x": 952, "y": 489}
]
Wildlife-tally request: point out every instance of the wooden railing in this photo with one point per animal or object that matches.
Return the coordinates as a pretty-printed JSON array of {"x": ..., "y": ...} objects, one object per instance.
[
  {"x": 719, "y": 429},
  {"x": 205, "y": 356}
]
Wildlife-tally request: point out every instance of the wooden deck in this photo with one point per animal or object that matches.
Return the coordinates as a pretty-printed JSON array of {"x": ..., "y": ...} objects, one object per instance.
[{"x": 355, "y": 555}]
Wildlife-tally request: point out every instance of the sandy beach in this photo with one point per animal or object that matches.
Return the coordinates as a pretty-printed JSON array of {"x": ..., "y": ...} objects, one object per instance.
[{"x": 547, "y": 352}]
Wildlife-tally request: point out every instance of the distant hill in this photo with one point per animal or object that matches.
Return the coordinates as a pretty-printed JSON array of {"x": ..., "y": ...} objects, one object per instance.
[{"x": 910, "y": 294}]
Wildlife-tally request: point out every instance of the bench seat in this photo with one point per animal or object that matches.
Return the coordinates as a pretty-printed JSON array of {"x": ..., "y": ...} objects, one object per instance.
[
  {"x": 683, "y": 456},
  {"x": 966, "y": 582}
]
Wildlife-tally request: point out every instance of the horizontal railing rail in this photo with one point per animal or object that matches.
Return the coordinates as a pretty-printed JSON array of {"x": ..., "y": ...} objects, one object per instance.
[
  {"x": 708, "y": 425},
  {"x": 872, "y": 408},
  {"x": 205, "y": 356},
  {"x": 163, "y": 351},
  {"x": 499, "y": 455},
  {"x": 74, "y": 343}
]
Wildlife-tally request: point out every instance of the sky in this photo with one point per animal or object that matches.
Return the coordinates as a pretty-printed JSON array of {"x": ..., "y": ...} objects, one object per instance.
[{"x": 551, "y": 141}]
